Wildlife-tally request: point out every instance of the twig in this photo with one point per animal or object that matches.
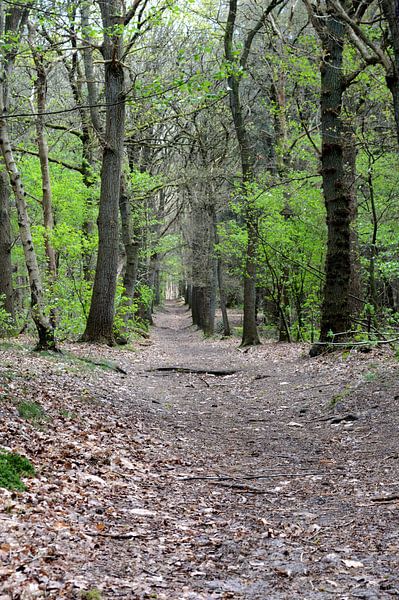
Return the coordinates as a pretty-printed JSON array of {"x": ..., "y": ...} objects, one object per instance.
[{"x": 248, "y": 477}]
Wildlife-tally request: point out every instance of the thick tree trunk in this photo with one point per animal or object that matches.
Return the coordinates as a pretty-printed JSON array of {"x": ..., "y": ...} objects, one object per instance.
[
  {"x": 99, "y": 327},
  {"x": 336, "y": 313},
  {"x": 6, "y": 288},
  {"x": 390, "y": 9}
]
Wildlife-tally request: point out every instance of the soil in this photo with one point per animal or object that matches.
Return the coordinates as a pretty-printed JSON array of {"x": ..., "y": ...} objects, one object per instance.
[{"x": 186, "y": 468}]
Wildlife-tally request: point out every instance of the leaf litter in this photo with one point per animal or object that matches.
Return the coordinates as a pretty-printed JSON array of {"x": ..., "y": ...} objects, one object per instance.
[{"x": 249, "y": 485}]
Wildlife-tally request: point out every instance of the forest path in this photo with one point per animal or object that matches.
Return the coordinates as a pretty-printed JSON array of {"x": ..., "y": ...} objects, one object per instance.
[
  {"x": 274, "y": 498},
  {"x": 276, "y": 481}
]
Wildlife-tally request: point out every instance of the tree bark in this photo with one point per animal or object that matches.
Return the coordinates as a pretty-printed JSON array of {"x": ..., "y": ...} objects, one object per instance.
[
  {"x": 130, "y": 241},
  {"x": 390, "y": 10},
  {"x": 335, "y": 312},
  {"x": 6, "y": 288},
  {"x": 99, "y": 327}
]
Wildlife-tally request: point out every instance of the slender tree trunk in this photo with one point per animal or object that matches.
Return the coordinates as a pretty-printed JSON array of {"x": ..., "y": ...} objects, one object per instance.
[
  {"x": 6, "y": 288},
  {"x": 90, "y": 120},
  {"x": 130, "y": 243},
  {"x": 99, "y": 327},
  {"x": 250, "y": 333},
  {"x": 222, "y": 298},
  {"x": 89, "y": 71},
  {"x": 43, "y": 326},
  {"x": 48, "y": 219}
]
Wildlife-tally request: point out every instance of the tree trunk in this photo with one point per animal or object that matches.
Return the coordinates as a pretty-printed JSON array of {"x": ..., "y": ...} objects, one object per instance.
[
  {"x": 43, "y": 326},
  {"x": 99, "y": 327},
  {"x": 48, "y": 219},
  {"x": 335, "y": 313},
  {"x": 250, "y": 333},
  {"x": 6, "y": 288},
  {"x": 130, "y": 242},
  {"x": 13, "y": 26},
  {"x": 390, "y": 10}
]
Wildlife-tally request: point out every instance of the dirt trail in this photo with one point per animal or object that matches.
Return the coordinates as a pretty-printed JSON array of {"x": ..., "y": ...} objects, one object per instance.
[
  {"x": 278, "y": 481},
  {"x": 277, "y": 500}
]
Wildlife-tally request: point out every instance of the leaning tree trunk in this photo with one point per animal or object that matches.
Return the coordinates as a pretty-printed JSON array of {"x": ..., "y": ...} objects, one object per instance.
[
  {"x": 43, "y": 326},
  {"x": 336, "y": 313},
  {"x": 99, "y": 327},
  {"x": 6, "y": 289}
]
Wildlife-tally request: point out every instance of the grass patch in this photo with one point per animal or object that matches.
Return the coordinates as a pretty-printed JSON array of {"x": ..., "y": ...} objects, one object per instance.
[
  {"x": 12, "y": 467},
  {"x": 69, "y": 359},
  {"x": 32, "y": 411}
]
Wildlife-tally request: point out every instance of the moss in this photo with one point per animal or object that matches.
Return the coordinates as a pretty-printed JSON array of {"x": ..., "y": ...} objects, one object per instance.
[{"x": 12, "y": 467}]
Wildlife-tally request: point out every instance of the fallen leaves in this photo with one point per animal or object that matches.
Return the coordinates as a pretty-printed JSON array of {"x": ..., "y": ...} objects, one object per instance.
[{"x": 184, "y": 487}]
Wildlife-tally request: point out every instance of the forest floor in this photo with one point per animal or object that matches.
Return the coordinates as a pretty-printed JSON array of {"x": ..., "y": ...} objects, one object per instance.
[{"x": 277, "y": 477}]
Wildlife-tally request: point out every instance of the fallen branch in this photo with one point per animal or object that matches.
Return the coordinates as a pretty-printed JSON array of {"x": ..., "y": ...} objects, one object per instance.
[
  {"x": 383, "y": 499},
  {"x": 114, "y": 536},
  {"x": 217, "y": 373},
  {"x": 242, "y": 488}
]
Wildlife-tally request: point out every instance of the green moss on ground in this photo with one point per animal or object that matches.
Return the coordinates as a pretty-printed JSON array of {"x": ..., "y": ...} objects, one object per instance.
[{"x": 12, "y": 467}]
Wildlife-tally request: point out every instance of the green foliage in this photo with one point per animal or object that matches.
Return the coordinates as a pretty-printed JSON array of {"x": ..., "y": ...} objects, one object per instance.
[
  {"x": 12, "y": 467},
  {"x": 31, "y": 411},
  {"x": 291, "y": 234}
]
